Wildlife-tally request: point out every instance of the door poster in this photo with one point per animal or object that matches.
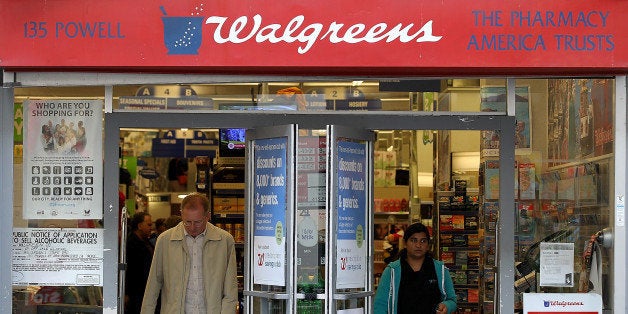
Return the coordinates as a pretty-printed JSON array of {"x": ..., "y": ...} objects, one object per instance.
[
  {"x": 351, "y": 215},
  {"x": 269, "y": 211},
  {"x": 63, "y": 159},
  {"x": 57, "y": 257}
]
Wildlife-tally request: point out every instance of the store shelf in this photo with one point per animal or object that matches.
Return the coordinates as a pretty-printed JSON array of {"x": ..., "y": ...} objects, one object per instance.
[
  {"x": 458, "y": 232},
  {"x": 404, "y": 213},
  {"x": 397, "y": 191},
  {"x": 458, "y": 248},
  {"x": 465, "y": 268},
  {"x": 457, "y": 218},
  {"x": 466, "y": 212},
  {"x": 229, "y": 216}
]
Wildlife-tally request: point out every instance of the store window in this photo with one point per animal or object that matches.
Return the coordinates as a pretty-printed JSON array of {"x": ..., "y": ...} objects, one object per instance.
[
  {"x": 58, "y": 230},
  {"x": 564, "y": 174}
]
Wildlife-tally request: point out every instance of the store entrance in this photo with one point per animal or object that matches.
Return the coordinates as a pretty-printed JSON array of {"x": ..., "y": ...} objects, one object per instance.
[{"x": 305, "y": 290}]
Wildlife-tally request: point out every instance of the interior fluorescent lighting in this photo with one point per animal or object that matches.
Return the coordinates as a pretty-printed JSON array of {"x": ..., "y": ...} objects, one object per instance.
[
  {"x": 331, "y": 84},
  {"x": 425, "y": 179},
  {"x": 395, "y": 99},
  {"x": 465, "y": 161}
]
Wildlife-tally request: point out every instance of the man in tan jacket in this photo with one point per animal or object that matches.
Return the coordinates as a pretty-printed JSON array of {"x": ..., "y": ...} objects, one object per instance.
[{"x": 194, "y": 265}]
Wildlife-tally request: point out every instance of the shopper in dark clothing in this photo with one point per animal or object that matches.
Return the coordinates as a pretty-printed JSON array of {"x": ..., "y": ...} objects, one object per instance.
[
  {"x": 177, "y": 174},
  {"x": 415, "y": 283},
  {"x": 139, "y": 256}
]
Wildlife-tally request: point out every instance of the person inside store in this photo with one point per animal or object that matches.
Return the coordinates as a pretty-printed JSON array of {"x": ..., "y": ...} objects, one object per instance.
[
  {"x": 178, "y": 174},
  {"x": 172, "y": 221},
  {"x": 160, "y": 226},
  {"x": 194, "y": 266},
  {"x": 392, "y": 243},
  {"x": 139, "y": 256},
  {"x": 415, "y": 283},
  {"x": 381, "y": 231}
]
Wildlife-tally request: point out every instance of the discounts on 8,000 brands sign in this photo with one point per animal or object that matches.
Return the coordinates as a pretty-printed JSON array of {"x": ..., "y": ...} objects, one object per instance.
[
  {"x": 413, "y": 35},
  {"x": 351, "y": 214},
  {"x": 269, "y": 211}
]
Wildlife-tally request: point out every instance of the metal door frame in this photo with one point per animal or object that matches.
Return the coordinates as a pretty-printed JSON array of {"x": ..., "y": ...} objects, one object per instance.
[
  {"x": 169, "y": 119},
  {"x": 290, "y": 133},
  {"x": 334, "y": 133}
]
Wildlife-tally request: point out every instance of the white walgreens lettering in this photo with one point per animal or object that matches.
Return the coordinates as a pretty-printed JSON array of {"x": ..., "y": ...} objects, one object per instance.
[{"x": 308, "y": 34}]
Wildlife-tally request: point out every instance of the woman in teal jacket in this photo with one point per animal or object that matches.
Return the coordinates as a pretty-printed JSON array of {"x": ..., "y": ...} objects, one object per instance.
[{"x": 415, "y": 283}]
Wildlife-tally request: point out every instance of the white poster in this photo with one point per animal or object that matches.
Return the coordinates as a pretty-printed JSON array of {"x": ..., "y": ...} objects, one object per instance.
[
  {"x": 57, "y": 257},
  {"x": 63, "y": 159},
  {"x": 359, "y": 310},
  {"x": 269, "y": 256},
  {"x": 557, "y": 264},
  {"x": 351, "y": 265}
]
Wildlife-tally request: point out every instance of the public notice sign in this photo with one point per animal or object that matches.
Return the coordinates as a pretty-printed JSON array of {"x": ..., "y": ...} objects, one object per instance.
[
  {"x": 63, "y": 159},
  {"x": 557, "y": 264},
  {"x": 57, "y": 257},
  {"x": 351, "y": 215},
  {"x": 269, "y": 211}
]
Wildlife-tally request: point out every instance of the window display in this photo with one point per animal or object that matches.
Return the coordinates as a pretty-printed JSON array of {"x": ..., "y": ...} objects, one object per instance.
[{"x": 563, "y": 183}]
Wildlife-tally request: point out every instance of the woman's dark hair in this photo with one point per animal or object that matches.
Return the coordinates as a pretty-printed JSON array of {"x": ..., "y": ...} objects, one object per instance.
[{"x": 416, "y": 228}]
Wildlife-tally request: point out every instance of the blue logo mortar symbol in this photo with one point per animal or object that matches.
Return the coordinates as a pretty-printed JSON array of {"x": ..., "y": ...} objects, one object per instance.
[{"x": 183, "y": 35}]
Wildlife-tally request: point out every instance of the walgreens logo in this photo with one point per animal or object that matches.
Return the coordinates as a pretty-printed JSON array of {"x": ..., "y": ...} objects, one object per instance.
[
  {"x": 562, "y": 303},
  {"x": 183, "y": 34}
]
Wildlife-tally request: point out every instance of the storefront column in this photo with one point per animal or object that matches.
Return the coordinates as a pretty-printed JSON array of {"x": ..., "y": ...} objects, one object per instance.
[
  {"x": 505, "y": 232},
  {"x": 6, "y": 189},
  {"x": 618, "y": 283},
  {"x": 111, "y": 299}
]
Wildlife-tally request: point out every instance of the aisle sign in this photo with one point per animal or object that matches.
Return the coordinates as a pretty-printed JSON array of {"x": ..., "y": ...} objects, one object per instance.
[
  {"x": 574, "y": 303},
  {"x": 351, "y": 215},
  {"x": 63, "y": 159},
  {"x": 57, "y": 257},
  {"x": 269, "y": 211}
]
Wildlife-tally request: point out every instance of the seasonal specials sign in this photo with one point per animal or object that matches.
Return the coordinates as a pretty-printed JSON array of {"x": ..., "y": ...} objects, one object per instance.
[{"x": 412, "y": 35}]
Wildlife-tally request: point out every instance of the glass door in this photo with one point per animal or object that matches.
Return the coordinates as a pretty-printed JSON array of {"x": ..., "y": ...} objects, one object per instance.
[
  {"x": 269, "y": 222},
  {"x": 349, "y": 262}
]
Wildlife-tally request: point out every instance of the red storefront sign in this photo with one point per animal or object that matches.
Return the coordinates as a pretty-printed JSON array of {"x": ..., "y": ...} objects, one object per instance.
[{"x": 421, "y": 37}]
